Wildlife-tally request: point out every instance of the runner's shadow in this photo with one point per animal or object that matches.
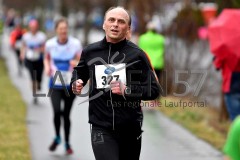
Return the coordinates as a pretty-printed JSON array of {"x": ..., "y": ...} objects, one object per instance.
[{"x": 58, "y": 156}]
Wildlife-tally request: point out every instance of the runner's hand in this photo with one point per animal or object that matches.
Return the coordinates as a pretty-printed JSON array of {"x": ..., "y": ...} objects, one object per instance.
[
  {"x": 47, "y": 71},
  {"x": 21, "y": 56},
  {"x": 73, "y": 63},
  {"x": 117, "y": 87},
  {"x": 77, "y": 86}
]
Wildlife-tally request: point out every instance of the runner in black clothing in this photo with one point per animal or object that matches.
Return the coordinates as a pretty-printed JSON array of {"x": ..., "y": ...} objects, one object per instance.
[{"x": 120, "y": 77}]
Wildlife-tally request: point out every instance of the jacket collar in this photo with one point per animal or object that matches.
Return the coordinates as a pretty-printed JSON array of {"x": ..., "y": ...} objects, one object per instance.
[{"x": 114, "y": 46}]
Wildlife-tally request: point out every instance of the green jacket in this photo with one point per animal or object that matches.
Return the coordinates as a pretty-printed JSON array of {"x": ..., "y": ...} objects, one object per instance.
[
  {"x": 232, "y": 145},
  {"x": 153, "y": 44}
]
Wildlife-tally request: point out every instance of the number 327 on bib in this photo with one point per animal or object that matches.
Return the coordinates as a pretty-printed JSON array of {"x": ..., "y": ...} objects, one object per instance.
[{"x": 105, "y": 74}]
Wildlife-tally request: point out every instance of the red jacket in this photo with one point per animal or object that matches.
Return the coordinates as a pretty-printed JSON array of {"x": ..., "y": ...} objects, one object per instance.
[
  {"x": 230, "y": 67},
  {"x": 15, "y": 35}
]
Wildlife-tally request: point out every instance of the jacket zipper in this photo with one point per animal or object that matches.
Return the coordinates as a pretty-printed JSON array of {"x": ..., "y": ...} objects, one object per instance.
[{"x": 111, "y": 91}]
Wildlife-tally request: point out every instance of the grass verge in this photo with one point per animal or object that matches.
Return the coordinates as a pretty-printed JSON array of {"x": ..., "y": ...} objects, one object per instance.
[
  {"x": 14, "y": 142},
  {"x": 200, "y": 119}
]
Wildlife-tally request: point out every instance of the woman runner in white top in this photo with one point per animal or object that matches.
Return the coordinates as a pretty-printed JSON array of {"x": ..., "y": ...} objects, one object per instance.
[
  {"x": 32, "y": 54},
  {"x": 62, "y": 53}
]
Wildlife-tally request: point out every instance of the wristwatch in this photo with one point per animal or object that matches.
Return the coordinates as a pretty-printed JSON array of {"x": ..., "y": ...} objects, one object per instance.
[{"x": 127, "y": 91}]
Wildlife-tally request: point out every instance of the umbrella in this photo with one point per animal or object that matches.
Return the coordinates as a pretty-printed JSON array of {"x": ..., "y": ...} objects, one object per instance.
[{"x": 224, "y": 36}]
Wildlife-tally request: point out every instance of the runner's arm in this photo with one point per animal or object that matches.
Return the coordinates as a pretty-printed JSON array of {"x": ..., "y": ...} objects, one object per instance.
[
  {"x": 75, "y": 60},
  {"x": 77, "y": 56},
  {"x": 47, "y": 60},
  {"x": 23, "y": 51},
  {"x": 81, "y": 71},
  {"x": 47, "y": 65}
]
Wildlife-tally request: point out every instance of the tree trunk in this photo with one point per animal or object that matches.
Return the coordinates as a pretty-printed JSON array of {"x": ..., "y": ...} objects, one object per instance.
[{"x": 87, "y": 25}]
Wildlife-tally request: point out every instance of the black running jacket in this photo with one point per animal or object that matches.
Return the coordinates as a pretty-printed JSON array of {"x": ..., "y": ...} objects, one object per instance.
[{"x": 106, "y": 109}]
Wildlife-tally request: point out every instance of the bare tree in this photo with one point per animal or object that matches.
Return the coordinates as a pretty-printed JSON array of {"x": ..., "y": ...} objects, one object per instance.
[
  {"x": 144, "y": 11},
  {"x": 23, "y": 6}
]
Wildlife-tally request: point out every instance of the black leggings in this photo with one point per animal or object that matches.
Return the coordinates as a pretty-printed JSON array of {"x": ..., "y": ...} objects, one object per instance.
[
  {"x": 17, "y": 52},
  {"x": 56, "y": 97},
  {"x": 116, "y": 145},
  {"x": 35, "y": 69}
]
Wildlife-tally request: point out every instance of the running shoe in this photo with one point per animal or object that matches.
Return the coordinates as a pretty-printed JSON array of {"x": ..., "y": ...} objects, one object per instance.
[
  {"x": 54, "y": 144},
  {"x": 69, "y": 150}
]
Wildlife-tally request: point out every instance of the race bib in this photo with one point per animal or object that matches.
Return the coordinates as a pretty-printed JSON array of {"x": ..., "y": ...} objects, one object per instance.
[
  {"x": 32, "y": 55},
  {"x": 105, "y": 74},
  {"x": 66, "y": 75}
]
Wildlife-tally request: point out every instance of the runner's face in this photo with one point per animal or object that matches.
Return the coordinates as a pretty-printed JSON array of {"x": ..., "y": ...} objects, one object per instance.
[
  {"x": 33, "y": 28},
  {"x": 62, "y": 31},
  {"x": 116, "y": 25}
]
